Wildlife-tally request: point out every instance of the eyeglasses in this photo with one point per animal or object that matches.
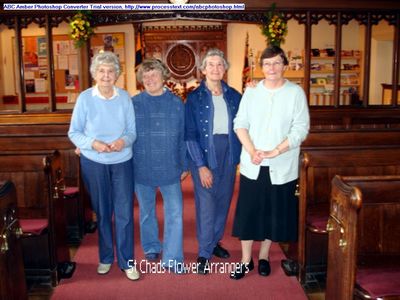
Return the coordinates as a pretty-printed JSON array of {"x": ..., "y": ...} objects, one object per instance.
[{"x": 273, "y": 64}]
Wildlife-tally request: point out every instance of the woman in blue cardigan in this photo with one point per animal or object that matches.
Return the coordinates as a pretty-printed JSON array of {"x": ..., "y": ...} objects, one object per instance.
[{"x": 214, "y": 152}]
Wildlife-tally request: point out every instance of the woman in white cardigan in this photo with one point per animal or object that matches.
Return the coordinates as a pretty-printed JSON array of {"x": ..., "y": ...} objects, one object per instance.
[{"x": 271, "y": 123}]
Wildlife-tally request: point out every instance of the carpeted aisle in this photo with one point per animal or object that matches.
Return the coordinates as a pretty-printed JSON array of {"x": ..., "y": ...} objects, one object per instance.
[{"x": 86, "y": 284}]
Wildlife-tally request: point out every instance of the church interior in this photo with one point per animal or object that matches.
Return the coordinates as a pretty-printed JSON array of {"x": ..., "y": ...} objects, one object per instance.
[{"x": 344, "y": 54}]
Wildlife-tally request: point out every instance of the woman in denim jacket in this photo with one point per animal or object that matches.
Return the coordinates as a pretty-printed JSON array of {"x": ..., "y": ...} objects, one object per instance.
[{"x": 214, "y": 152}]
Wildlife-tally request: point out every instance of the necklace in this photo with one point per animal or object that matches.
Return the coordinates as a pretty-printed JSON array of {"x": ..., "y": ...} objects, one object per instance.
[{"x": 216, "y": 91}]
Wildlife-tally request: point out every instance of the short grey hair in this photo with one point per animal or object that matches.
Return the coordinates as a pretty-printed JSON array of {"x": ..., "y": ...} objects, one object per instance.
[
  {"x": 105, "y": 58},
  {"x": 213, "y": 52},
  {"x": 151, "y": 64}
]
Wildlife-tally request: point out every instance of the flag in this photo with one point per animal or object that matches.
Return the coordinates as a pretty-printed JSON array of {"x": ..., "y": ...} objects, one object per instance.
[
  {"x": 246, "y": 76},
  {"x": 139, "y": 53},
  {"x": 138, "y": 47}
]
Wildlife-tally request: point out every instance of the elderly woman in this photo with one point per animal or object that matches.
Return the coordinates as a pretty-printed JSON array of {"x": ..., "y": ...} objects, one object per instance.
[
  {"x": 271, "y": 123},
  {"x": 103, "y": 128},
  {"x": 159, "y": 163},
  {"x": 214, "y": 152}
]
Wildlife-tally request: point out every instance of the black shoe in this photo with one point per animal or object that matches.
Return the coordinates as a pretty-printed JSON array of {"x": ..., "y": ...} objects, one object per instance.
[
  {"x": 264, "y": 268},
  {"x": 203, "y": 266},
  {"x": 90, "y": 227},
  {"x": 239, "y": 273},
  {"x": 290, "y": 267},
  {"x": 66, "y": 269},
  {"x": 220, "y": 252}
]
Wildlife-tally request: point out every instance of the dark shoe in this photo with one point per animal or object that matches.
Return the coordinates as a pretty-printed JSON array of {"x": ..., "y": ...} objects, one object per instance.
[
  {"x": 290, "y": 267},
  {"x": 203, "y": 266},
  {"x": 66, "y": 269},
  {"x": 239, "y": 272},
  {"x": 152, "y": 256},
  {"x": 90, "y": 227},
  {"x": 264, "y": 268},
  {"x": 220, "y": 252}
]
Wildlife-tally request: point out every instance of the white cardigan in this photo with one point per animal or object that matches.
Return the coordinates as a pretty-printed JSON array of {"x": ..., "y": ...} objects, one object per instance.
[{"x": 271, "y": 116}]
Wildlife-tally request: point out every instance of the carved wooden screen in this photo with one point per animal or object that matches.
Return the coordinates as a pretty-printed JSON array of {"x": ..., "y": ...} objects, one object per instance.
[{"x": 183, "y": 47}]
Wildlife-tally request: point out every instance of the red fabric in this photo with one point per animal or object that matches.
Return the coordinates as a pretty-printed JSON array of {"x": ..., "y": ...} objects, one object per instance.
[
  {"x": 31, "y": 100},
  {"x": 317, "y": 216},
  {"x": 71, "y": 191},
  {"x": 33, "y": 226},
  {"x": 380, "y": 282}
]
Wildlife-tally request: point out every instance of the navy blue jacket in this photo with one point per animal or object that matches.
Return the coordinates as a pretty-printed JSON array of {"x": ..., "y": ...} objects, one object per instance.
[{"x": 199, "y": 116}]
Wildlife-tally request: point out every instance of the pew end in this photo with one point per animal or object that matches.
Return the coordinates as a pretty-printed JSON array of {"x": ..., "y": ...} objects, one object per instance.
[
  {"x": 318, "y": 167},
  {"x": 38, "y": 178},
  {"x": 12, "y": 275},
  {"x": 364, "y": 238}
]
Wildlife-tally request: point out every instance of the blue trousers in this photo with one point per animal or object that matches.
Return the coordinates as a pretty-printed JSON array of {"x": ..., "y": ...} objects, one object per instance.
[
  {"x": 212, "y": 205},
  {"x": 172, "y": 248},
  {"x": 111, "y": 193}
]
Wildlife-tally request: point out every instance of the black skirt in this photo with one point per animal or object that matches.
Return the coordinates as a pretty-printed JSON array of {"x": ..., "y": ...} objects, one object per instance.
[{"x": 266, "y": 211}]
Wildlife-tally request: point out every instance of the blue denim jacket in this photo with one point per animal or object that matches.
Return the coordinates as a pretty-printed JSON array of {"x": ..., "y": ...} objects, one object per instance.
[{"x": 199, "y": 116}]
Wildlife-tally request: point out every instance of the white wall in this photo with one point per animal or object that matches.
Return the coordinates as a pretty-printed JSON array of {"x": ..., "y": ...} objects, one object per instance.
[{"x": 381, "y": 68}]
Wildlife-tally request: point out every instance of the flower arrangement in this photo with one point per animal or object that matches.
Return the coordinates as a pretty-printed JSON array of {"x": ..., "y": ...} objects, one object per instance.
[
  {"x": 80, "y": 28},
  {"x": 181, "y": 90},
  {"x": 275, "y": 28}
]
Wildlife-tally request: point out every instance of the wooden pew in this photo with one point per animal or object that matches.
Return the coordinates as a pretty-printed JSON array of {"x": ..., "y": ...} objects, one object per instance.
[
  {"x": 318, "y": 167},
  {"x": 364, "y": 238},
  {"x": 47, "y": 137},
  {"x": 37, "y": 176},
  {"x": 12, "y": 276},
  {"x": 318, "y": 139}
]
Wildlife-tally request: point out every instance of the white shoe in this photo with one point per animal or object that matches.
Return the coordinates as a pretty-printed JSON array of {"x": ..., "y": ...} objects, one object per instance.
[
  {"x": 132, "y": 273},
  {"x": 103, "y": 268}
]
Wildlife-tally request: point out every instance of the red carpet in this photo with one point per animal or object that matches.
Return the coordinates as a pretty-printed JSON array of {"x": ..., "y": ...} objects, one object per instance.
[{"x": 86, "y": 284}]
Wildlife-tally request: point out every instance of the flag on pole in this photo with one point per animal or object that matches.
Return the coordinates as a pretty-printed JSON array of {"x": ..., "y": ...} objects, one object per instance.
[
  {"x": 138, "y": 47},
  {"x": 246, "y": 76},
  {"x": 139, "y": 53}
]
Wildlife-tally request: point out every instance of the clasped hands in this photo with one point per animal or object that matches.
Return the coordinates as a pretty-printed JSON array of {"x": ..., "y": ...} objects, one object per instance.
[
  {"x": 114, "y": 146},
  {"x": 257, "y": 155}
]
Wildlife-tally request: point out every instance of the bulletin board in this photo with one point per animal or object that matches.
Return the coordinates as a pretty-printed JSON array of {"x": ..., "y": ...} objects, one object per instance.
[
  {"x": 66, "y": 64},
  {"x": 66, "y": 61},
  {"x": 35, "y": 64}
]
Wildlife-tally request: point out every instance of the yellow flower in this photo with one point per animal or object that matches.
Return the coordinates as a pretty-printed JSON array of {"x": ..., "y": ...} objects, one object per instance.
[
  {"x": 275, "y": 28},
  {"x": 80, "y": 28}
]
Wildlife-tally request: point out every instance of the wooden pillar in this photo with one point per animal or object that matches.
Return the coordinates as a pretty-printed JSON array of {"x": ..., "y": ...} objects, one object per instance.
[
  {"x": 50, "y": 66},
  {"x": 396, "y": 62},
  {"x": 338, "y": 47},
  {"x": 20, "y": 65},
  {"x": 85, "y": 79},
  {"x": 307, "y": 55},
  {"x": 367, "y": 60}
]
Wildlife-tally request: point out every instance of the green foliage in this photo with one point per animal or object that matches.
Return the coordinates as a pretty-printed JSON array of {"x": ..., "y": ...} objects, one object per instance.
[
  {"x": 80, "y": 28},
  {"x": 275, "y": 27}
]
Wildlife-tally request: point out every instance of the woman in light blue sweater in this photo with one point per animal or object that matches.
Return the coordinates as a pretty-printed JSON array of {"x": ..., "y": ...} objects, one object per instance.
[
  {"x": 159, "y": 163},
  {"x": 103, "y": 128}
]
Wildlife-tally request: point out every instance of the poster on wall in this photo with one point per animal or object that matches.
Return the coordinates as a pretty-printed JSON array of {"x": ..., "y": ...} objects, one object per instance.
[
  {"x": 42, "y": 46},
  {"x": 30, "y": 52}
]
